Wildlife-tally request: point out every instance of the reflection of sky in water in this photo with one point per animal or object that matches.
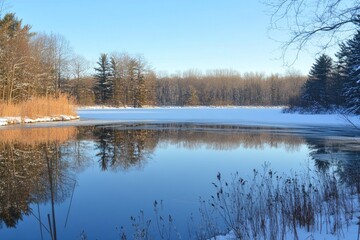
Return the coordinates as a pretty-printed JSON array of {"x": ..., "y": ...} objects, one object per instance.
[
  {"x": 105, "y": 200},
  {"x": 178, "y": 176}
]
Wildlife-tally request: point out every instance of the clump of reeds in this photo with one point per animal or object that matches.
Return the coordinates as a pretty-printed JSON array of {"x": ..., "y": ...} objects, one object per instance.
[
  {"x": 162, "y": 224},
  {"x": 270, "y": 206},
  {"x": 40, "y": 107}
]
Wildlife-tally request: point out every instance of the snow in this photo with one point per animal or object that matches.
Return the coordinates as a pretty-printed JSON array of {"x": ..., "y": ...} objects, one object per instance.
[
  {"x": 229, "y": 236},
  {"x": 229, "y": 115},
  {"x": 349, "y": 233},
  {"x": 3, "y": 122},
  {"x": 17, "y": 120}
]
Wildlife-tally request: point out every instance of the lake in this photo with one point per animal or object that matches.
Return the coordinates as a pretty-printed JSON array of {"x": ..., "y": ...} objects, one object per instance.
[{"x": 117, "y": 172}]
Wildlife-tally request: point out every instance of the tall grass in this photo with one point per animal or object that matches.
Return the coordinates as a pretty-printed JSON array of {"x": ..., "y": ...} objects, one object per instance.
[
  {"x": 274, "y": 206},
  {"x": 40, "y": 107}
]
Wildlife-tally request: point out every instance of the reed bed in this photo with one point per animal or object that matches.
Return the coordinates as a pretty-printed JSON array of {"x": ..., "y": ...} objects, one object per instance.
[
  {"x": 273, "y": 206},
  {"x": 40, "y": 107}
]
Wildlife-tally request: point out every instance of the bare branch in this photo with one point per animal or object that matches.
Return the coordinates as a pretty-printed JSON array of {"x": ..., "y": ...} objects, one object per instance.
[{"x": 326, "y": 22}]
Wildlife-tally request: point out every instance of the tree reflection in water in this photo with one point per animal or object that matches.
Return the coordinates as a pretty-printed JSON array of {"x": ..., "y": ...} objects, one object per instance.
[
  {"x": 39, "y": 165},
  {"x": 32, "y": 170},
  {"x": 344, "y": 157},
  {"x": 122, "y": 149}
]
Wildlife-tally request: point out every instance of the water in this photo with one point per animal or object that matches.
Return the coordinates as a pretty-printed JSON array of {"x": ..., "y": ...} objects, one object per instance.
[{"x": 98, "y": 177}]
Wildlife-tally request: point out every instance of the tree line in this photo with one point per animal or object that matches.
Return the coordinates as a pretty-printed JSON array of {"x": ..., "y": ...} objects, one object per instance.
[
  {"x": 333, "y": 84},
  {"x": 39, "y": 64},
  {"x": 227, "y": 87}
]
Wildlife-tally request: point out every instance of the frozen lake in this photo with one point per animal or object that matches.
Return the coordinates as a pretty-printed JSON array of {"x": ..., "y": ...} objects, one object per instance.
[
  {"x": 94, "y": 178},
  {"x": 234, "y": 115}
]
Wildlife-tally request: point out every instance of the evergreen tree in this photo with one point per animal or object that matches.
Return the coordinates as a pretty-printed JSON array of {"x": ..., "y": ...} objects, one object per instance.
[
  {"x": 315, "y": 91},
  {"x": 103, "y": 86},
  {"x": 341, "y": 75},
  {"x": 352, "y": 86}
]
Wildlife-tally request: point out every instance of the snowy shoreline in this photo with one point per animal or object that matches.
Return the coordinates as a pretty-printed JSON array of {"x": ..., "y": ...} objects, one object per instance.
[
  {"x": 97, "y": 107},
  {"x": 18, "y": 120}
]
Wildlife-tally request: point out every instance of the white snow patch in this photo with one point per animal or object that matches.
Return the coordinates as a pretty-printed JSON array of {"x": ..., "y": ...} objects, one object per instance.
[
  {"x": 349, "y": 233},
  {"x": 13, "y": 120},
  {"x": 229, "y": 236},
  {"x": 17, "y": 120},
  {"x": 3, "y": 121}
]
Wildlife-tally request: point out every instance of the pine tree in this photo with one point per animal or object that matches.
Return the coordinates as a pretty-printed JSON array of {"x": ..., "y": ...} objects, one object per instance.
[
  {"x": 315, "y": 92},
  {"x": 104, "y": 86},
  {"x": 352, "y": 86},
  {"x": 341, "y": 75}
]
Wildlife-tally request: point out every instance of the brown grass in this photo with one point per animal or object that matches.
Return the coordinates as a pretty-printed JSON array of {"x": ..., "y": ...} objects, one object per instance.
[
  {"x": 35, "y": 136},
  {"x": 40, "y": 107}
]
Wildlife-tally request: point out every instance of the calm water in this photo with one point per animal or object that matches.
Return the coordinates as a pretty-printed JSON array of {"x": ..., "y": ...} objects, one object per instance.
[{"x": 93, "y": 179}]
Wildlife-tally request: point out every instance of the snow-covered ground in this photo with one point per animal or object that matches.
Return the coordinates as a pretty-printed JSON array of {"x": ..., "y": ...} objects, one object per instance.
[
  {"x": 349, "y": 233},
  {"x": 17, "y": 120},
  {"x": 229, "y": 115}
]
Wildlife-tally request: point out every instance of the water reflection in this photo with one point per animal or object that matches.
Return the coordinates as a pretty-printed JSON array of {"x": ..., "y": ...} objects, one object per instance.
[
  {"x": 122, "y": 149},
  {"x": 40, "y": 165},
  {"x": 32, "y": 170},
  {"x": 344, "y": 156}
]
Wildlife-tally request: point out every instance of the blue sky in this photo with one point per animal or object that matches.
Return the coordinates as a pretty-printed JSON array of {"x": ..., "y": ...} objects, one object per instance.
[{"x": 173, "y": 35}]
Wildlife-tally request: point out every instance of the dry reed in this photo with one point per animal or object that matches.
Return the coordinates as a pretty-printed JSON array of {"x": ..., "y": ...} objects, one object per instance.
[{"x": 39, "y": 107}]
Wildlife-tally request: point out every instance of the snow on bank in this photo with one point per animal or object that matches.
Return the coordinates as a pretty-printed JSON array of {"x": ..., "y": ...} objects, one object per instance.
[
  {"x": 171, "y": 107},
  {"x": 230, "y": 115},
  {"x": 17, "y": 120},
  {"x": 349, "y": 233}
]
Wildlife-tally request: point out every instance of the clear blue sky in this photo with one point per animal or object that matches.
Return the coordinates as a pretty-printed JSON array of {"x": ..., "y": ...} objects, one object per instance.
[{"x": 173, "y": 35}]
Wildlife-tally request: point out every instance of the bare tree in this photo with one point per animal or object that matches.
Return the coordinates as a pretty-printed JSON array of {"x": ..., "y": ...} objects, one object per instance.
[
  {"x": 4, "y": 5},
  {"x": 79, "y": 68},
  {"x": 133, "y": 80},
  {"x": 322, "y": 23},
  {"x": 58, "y": 54}
]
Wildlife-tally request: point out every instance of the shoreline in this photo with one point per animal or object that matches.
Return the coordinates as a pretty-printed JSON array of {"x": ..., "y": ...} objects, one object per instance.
[
  {"x": 5, "y": 121},
  {"x": 96, "y": 107}
]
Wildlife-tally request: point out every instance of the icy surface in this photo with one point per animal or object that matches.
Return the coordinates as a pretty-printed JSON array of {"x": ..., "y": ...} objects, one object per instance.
[{"x": 233, "y": 115}]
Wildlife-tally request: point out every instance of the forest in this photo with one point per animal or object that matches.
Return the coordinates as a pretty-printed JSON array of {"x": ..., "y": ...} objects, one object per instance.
[
  {"x": 333, "y": 84},
  {"x": 38, "y": 64}
]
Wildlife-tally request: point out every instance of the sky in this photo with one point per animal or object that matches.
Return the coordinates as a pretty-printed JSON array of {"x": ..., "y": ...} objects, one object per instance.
[{"x": 173, "y": 35}]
